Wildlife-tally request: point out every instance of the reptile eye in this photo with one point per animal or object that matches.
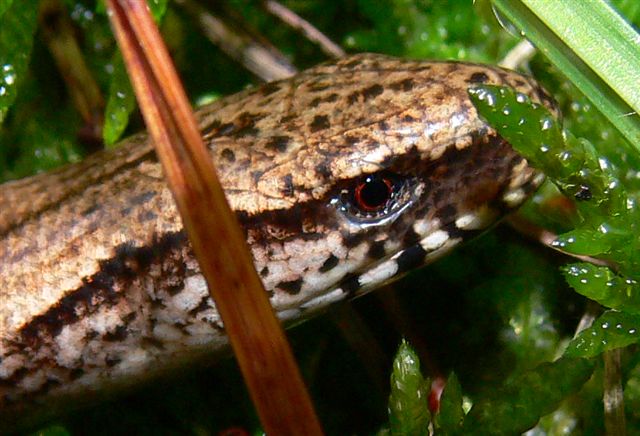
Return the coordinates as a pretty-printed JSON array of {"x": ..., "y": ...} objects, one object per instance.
[
  {"x": 373, "y": 193},
  {"x": 375, "y": 198}
]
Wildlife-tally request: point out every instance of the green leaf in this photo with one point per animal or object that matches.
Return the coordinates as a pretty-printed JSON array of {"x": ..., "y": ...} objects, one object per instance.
[
  {"x": 604, "y": 286},
  {"x": 609, "y": 212},
  {"x": 593, "y": 46},
  {"x": 449, "y": 419},
  {"x": 17, "y": 27},
  {"x": 120, "y": 104},
  {"x": 408, "y": 401},
  {"x": 519, "y": 405},
  {"x": 583, "y": 241},
  {"x": 611, "y": 330},
  {"x": 122, "y": 100}
]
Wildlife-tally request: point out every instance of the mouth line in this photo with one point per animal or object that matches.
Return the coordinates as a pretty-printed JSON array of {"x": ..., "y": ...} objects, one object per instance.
[
  {"x": 386, "y": 270},
  {"x": 438, "y": 239}
]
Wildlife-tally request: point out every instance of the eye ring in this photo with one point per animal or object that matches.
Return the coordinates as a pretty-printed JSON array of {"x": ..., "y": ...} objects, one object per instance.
[
  {"x": 375, "y": 198},
  {"x": 373, "y": 193}
]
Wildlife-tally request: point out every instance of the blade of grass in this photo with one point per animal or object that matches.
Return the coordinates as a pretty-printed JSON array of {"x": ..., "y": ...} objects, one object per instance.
[
  {"x": 601, "y": 38},
  {"x": 263, "y": 354},
  {"x": 555, "y": 37}
]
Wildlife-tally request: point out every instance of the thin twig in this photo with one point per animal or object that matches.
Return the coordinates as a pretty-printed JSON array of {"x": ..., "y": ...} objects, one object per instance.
[
  {"x": 547, "y": 237},
  {"x": 591, "y": 312},
  {"x": 263, "y": 354},
  {"x": 308, "y": 30},
  {"x": 59, "y": 36},
  {"x": 613, "y": 397},
  {"x": 257, "y": 56}
]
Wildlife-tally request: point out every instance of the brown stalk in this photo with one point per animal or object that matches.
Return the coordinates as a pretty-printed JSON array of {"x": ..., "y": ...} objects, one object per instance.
[
  {"x": 310, "y": 32},
  {"x": 254, "y": 52},
  {"x": 613, "y": 398},
  {"x": 262, "y": 351},
  {"x": 58, "y": 33}
]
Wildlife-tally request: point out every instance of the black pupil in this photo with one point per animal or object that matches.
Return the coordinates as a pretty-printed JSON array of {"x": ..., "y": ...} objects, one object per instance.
[{"x": 375, "y": 193}]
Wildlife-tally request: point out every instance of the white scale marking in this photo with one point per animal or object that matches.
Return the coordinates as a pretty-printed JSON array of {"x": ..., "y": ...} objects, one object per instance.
[
  {"x": 514, "y": 198},
  {"x": 324, "y": 300},
  {"x": 476, "y": 220},
  {"x": 379, "y": 274},
  {"x": 434, "y": 240}
]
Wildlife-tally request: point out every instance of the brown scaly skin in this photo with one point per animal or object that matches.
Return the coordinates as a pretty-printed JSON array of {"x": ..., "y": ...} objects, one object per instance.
[{"x": 98, "y": 285}]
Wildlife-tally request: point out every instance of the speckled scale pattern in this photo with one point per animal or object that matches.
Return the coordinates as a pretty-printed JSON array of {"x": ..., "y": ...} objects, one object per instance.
[{"x": 98, "y": 284}]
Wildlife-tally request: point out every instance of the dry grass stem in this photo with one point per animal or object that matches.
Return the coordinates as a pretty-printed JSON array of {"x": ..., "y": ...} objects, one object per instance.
[{"x": 262, "y": 351}]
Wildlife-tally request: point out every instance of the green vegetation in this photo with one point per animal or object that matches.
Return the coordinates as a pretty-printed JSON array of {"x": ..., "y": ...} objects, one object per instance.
[{"x": 499, "y": 315}]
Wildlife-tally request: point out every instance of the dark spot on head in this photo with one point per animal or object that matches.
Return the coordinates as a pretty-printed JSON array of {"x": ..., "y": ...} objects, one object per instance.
[
  {"x": 287, "y": 118},
  {"x": 320, "y": 122},
  {"x": 278, "y": 143},
  {"x": 455, "y": 232},
  {"x": 255, "y": 175},
  {"x": 376, "y": 250},
  {"x": 331, "y": 98},
  {"x": 228, "y": 155},
  {"x": 119, "y": 334},
  {"x": 225, "y": 129},
  {"x": 151, "y": 342},
  {"x": 112, "y": 361},
  {"x": 352, "y": 63},
  {"x": 323, "y": 170},
  {"x": 288, "y": 189},
  {"x": 353, "y": 97},
  {"x": 129, "y": 317},
  {"x": 408, "y": 118},
  {"x": 410, "y": 237},
  {"x": 90, "y": 209},
  {"x": 383, "y": 126},
  {"x": 146, "y": 215},
  {"x": 319, "y": 86},
  {"x": 269, "y": 88},
  {"x": 315, "y": 102},
  {"x": 202, "y": 306},
  {"x": 407, "y": 84},
  {"x": 478, "y": 77},
  {"x": 264, "y": 272},
  {"x": 372, "y": 91},
  {"x": 351, "y": 241},
  {"x": 520, "y": 82},
  {"x": 247, "y": 122},
  {"x": 329, "y": 264},
  {"x": 141, "y": 198},
  {"x": 293, "y": 287},
  {"x": 174, "y": 289},
  {"x": 411, "y": 258},
  {"x": 212, "y": 127},
  {"x": 350, "y": 140},
  {"x": 76, "y": 373},
  {"x": 350, "y": 283},
  {"x": 447, "y": 213},
  {"x": 404, "y": 85}
]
